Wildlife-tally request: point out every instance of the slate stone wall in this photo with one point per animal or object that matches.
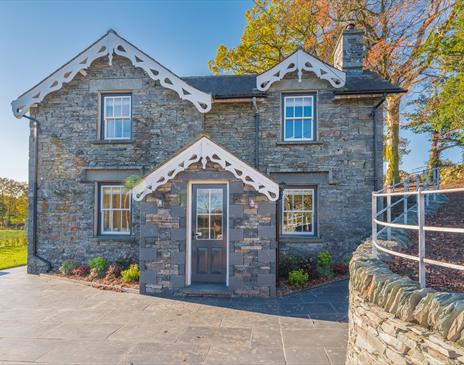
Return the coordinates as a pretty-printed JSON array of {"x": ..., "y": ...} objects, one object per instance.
[
  {"x": 392, "y": 321},
  {"x": 68, "y": 147},
  {"x": 340, "y": 163},
  {"x": 252, "y": 245}
]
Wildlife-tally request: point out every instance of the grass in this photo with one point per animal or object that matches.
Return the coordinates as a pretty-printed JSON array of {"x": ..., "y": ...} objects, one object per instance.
[{"x": 13, "y": 248}]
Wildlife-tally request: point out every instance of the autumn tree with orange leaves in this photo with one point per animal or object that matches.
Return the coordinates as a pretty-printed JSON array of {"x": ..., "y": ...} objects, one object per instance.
[{"x": 396, "y": 34}]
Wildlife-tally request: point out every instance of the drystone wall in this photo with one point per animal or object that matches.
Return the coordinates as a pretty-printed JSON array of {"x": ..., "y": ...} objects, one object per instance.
[{"x": 394, "y": 321}]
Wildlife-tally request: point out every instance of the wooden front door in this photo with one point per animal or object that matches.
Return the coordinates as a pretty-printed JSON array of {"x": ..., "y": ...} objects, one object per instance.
[{"x": 209, "y": 231}]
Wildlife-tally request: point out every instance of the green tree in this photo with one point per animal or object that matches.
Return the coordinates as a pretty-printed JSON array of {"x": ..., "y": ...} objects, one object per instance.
[
  {"x": 13, "y": 203},
  {"x": 440, "y": 109},
  {"x": 396, "y": 33}
]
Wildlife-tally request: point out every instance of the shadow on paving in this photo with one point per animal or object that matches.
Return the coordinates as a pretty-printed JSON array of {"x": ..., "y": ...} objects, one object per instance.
[{"x": 329, "y": 303}]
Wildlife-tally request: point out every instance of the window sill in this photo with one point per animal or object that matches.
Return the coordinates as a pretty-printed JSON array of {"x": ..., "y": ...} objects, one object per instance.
[
  {"x": 303, "y": 239},
  {"x": 283, "y": 143},
  {"x": 113, "y": 141},
  {"x": 112, "y": 238}
]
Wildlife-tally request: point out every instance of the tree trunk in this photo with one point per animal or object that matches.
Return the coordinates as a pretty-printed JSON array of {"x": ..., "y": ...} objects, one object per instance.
[
  {"x": 434, "y": 157},
  {"x": 392, "y": 156}
]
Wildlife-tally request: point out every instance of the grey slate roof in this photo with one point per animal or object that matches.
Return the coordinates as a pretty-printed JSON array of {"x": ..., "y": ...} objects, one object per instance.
[{"x": 236, "y": 86}]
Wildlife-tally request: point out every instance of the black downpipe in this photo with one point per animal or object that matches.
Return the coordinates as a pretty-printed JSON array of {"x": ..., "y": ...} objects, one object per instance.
[
  {"x": 373, "y": 114},
  {"x": 278, "y": 205},
  {"x": 35, "y": 135}
]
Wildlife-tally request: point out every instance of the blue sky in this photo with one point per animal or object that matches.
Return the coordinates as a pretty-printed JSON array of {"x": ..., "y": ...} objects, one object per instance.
[{"x": 38, "y": 37}]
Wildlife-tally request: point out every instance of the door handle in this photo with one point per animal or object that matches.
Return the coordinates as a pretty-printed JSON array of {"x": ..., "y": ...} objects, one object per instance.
[{"x": 196, "y": 235}]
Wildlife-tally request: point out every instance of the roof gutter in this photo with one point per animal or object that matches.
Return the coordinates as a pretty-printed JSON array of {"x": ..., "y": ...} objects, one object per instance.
[{"x": 35, "y": 124}]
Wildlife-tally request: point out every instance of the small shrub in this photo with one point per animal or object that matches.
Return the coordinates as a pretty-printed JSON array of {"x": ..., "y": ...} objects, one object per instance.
[
  {"x": 82, "y": 270},
  {"x": 131, "y": 274},
  {"x": 124, "y": 261},
  {"x": 290, "y": 263},
  {"x": 99, "y": 265},
  {"x": 113, "y": 272},
  {"x": 68, "y": 266},
  {"x": 298, "y": 277},
  {"x": 340, "y": 269},
  {"x": 324, "y": 264}
]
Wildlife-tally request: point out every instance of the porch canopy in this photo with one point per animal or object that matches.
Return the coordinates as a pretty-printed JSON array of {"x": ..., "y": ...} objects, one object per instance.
[{"x": 202, "y": 150}]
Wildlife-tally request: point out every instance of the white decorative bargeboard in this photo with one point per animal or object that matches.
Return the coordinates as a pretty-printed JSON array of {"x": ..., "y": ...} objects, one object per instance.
[
  {"x": 203, "y": 150},
  {"x": 111, "y": 43},
  {"x": 301, "y": 61}
]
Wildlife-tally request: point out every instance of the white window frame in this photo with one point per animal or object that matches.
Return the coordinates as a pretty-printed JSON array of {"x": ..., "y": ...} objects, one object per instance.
[
  {"x": 312, "y": 211},
  {"x": 105, "y": 118},
  {"x": 102, "y": 210},
  {"x": 302, "y": 118}
]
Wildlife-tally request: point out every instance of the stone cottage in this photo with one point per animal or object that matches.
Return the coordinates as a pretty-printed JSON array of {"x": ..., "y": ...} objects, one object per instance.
[{"x": 234, "y": 171}]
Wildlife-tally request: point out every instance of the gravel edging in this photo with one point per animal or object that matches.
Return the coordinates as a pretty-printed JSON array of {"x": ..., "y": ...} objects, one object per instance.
[{"x": 92, "y": 284}]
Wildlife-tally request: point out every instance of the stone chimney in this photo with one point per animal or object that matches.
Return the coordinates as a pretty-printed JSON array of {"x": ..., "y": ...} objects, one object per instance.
[{"x": 349, "y": 52}]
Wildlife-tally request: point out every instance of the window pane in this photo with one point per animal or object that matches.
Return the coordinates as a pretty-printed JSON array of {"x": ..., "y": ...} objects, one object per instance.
[
  {"x": 203, "y": 226},
  {"x": 109, "y": 130},
  {"x": 118, "y": 129},
  {"x": 308, "y": 201},
  {"x": 125, "y": 221},
  {"x": 117, "y": 215},
  {"x": 287, "y": 201},
  {"x": 308, "y": 129},
  {"x": 109, "y": 106},
  {"x": 308, "y": 107},
  {"x": 289, "y": 103},
  {"x": 116, "y": 199},
  {"x": 216, "y": 227},
  {"x": 288, "y": 129},
  {"x": 307, "y": 222},
  {"x": 202, "y": 201},
  {"x": 126, "y": 128},
  {"x": 106, "y": 220},
  {"x": 298, "y": 218},
  {"x": 298, "y": 129},
  {"x": 297, "y": 201},
  {"x": 117, "y": 107},
  {"x": 216, "y": 201},
  {"x": 298, "y": 107},
  {"x": 126, "y": 106},
  {"x": 289, "y": 222},
  {"x": 125, "y": 200},
  {"x": 106, "y": 193}
]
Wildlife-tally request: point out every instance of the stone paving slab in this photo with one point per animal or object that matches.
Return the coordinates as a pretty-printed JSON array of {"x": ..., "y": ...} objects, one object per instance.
[{"x": 49, "y": 321}]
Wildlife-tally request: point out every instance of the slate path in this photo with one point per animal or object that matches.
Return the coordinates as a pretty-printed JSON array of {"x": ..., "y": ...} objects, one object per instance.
[{"x": 50, "y": 321}]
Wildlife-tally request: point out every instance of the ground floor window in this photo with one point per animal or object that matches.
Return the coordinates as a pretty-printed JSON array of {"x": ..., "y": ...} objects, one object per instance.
[
  {"x": 298, "y": 210},
  {"x": 114, "y": 210}
]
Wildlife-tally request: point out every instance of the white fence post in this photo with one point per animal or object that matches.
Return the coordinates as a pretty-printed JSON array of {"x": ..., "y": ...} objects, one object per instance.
[
  {"x": 427, "y": 187},
  {"x": 389, "y": 213},
  {"x": 421, "y": 236},
  {"x": 405, "y": 201},
  {"x": 374, "y": 225}
]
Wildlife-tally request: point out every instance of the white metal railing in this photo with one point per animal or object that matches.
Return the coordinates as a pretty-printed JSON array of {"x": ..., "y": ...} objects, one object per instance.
[{"x": 426, "y": 186}]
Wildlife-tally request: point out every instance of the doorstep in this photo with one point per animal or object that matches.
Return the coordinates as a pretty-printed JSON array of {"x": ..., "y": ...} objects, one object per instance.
[{"x": 207, "y": 290}]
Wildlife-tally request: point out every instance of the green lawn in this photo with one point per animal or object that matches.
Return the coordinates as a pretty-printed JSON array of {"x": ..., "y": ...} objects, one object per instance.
[{"x": 13, "y": 248}]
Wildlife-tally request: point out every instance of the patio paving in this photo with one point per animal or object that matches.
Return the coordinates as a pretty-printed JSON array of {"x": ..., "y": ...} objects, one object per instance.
[{"x": 50, "y": 321}]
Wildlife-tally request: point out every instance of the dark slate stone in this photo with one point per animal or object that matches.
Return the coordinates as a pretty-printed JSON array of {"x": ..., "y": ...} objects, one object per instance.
[
  {"x": 266, "y": 256},
  {"x": 178, "y": 234},
  {"x": 177, "y": 281},
  {"x": 266, "y": 279},
  {"x": 235, "y": 258},
  {"x": 266, "y": 208},
  {"x": 147, "y": 277},
  {"x": 235, "y": 234},
  {"x": 267, "y": 232},
  {"x": 148, "y": 230},
  {"x": 178, "y": 211},
  {"x": 148, "y": 253},
  {"x": 148, "y": 207},
  {"x": 178, "y": 258},
  {"x": 236, "y": 211}
]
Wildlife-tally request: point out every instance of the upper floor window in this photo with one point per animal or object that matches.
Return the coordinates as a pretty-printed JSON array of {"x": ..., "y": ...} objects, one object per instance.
[
  {"x": 115, "y": 210},
  {"x": 298, "y": 118},
  {"x": 117, "y": 116},
  {"x": 298, "y": 212}
]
